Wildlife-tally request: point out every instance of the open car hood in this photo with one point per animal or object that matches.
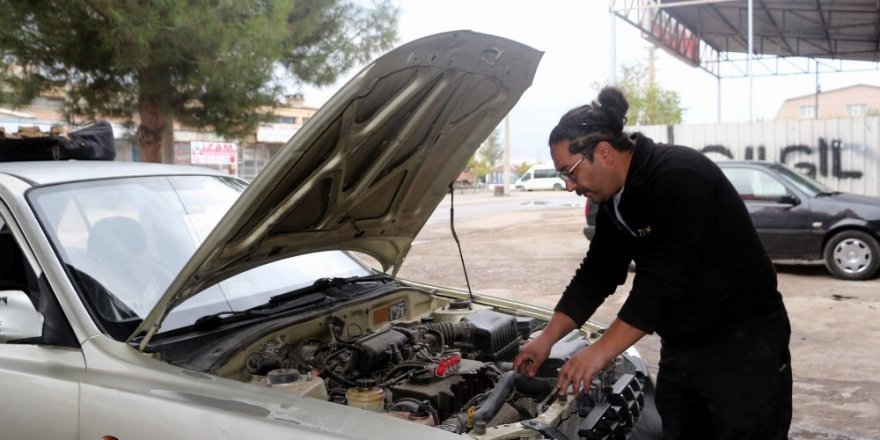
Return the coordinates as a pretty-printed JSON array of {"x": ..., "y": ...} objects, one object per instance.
[{"x": 366, "y": 172}]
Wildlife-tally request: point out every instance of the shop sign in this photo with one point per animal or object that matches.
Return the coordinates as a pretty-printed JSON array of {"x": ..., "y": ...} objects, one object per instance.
[{"x": 213, "y": 153}]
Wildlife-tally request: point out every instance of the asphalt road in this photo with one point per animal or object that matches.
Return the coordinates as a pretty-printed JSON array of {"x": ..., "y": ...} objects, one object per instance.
[{"x": 526, "y": 246}]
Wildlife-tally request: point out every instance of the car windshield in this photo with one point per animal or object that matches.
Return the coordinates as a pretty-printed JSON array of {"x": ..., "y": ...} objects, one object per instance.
[
  {"x": 126, "y": 239},
  {"x": 811, "y": 187}
]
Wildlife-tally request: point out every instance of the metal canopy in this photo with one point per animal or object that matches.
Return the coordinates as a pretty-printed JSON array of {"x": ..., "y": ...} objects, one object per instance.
[{"x": 713, "y": 33}]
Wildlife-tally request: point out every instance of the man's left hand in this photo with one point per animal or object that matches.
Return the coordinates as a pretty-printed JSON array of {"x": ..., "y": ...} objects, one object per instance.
[{"x": 580, "y": 369}]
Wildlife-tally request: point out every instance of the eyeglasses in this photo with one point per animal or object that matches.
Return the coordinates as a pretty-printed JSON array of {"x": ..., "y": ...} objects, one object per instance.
[{"x": 567, "y": 176}]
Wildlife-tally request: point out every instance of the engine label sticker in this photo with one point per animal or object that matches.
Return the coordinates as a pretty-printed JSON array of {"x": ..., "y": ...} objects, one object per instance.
[
  {"x": 397, "y": 310},
  {"x": 380, "y": 315},
  {"x": 391, "y": 312}
]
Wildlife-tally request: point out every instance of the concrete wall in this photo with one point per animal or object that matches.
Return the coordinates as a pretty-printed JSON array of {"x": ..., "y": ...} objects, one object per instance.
[{"x": 841, "y": 153}]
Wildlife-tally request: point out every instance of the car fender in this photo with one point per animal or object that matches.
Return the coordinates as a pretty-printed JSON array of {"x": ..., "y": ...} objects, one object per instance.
[
  {"x": 130, "y": 395},
  {"x": 872, "y": 228}
]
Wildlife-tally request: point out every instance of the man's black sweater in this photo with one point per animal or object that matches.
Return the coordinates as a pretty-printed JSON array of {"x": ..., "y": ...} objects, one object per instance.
[{"x": 702, "y": 275}]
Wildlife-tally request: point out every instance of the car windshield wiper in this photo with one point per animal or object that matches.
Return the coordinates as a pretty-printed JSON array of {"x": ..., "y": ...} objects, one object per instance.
[
  {"x": 215, "y": 319},
  {"x": 306, "y": 297},
  {"x": 322, "y": 284},
  {"x": 827, "y": 193},
  {"x": 262, "y": 310}
]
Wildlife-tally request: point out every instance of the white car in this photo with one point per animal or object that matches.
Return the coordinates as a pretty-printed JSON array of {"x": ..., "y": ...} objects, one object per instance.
[
  {"x": 540, "y": 177},
  {"x": 145, "y": 301}
]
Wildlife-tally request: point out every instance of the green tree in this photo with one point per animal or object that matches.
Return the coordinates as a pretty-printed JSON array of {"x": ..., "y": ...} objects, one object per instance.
[
  {"x": 480, "y": 168},
  {"x": 491, "y": 152},
  {"x": 649, "y": 103},
  {"x": 486, "y": 157},
  {"x": 203, "y": 63},
  {"x": 522, "y": 167}
]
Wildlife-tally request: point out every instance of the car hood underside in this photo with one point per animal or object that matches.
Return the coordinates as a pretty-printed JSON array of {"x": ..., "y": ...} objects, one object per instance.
[{"x": 371, "y": 166}]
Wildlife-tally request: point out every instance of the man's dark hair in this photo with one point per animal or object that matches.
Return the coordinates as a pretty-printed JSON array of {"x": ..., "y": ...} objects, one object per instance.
[{"x": 587, "y": 125}]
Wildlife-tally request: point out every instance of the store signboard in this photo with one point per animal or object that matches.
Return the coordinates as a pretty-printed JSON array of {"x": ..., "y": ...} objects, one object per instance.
[{"x": 213, "y": 153}]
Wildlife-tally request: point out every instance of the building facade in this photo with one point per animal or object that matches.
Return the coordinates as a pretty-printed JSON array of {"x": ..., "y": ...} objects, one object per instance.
[
  {"x": 847, "y": 102},
  {"x": 243, "y": 158},
  {"x": 270, "y": 137}
]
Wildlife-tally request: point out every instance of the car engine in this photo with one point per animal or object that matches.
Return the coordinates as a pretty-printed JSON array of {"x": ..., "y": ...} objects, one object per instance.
[{"x": 451, "y": 369}]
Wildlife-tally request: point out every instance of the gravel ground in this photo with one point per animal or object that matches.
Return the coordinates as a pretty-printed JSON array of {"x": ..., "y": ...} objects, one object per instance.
[{"x": 526, "y": 246}]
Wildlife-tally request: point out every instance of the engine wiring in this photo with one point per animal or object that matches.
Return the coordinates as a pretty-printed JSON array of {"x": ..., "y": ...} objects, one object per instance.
[{"x": 454, "y": 375}]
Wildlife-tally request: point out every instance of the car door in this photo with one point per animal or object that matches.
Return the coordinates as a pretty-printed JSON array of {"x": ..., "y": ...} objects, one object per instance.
[
  {"x": 526, "y": 180},
  {"x": 40, "y": 380},
  {"x": 781, "y": 217}
]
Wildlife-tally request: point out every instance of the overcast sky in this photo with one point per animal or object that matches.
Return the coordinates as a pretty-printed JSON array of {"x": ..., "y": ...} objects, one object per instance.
[{"x": 575, "y": 38}]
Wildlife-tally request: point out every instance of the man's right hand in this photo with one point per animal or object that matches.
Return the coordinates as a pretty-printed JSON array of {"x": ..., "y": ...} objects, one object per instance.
[
  {"x": 531, "y": 356},
  {"x": 536, "y": 351}
]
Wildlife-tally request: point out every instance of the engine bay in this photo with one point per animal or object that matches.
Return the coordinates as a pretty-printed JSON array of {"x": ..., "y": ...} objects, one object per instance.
[{"x": 442, "y": 362}]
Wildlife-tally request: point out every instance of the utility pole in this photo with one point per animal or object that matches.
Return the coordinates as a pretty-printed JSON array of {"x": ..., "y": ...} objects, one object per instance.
[
  {"x": 749, "y": 61},
  {"x": 818, "y": 90},
  {"x": 612, "y": 49},
  {"x": 506, "y": 156}
]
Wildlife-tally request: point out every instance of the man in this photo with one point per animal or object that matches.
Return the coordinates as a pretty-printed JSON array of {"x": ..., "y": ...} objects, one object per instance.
[{"x": 703, "y": 281}]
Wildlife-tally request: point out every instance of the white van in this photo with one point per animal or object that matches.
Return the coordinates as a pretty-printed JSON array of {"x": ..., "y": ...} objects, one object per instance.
[{"x": 540, "y": 177}]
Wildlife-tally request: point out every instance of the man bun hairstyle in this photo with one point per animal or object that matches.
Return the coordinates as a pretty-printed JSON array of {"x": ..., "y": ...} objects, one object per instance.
[
  {"x": 602, "y": 120},
  {"x": 613, "y": 106}
]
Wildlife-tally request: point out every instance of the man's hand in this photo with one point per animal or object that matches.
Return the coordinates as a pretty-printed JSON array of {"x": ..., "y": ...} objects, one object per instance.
[
  {"x": 531, "y": 356},
  {"x": 536, "y": 351},
  {"x": 580, "y": 369}
]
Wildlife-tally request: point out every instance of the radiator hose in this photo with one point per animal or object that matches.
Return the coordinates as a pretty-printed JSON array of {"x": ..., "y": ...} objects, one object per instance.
[{"x": 505, "y": 386}]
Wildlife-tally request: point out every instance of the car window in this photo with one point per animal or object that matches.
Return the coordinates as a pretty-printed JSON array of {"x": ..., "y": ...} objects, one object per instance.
[
  {"x": 545, "y": 174},
  {"x": 131, "y": 236},
  {"x": 12, "y": 263},
  {"x": 811, "y": 187},
  {"x": 13, "y": 277},
  {"x": 752, "y": 184},
  {"x": 18, "y": 274},
  {"x": 126, "y": 239}
]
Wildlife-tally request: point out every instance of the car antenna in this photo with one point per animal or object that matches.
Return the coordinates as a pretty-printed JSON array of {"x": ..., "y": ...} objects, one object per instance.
[{"x": 455, "y": 236}]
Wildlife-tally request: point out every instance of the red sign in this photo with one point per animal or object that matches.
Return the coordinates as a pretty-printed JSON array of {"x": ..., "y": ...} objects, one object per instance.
[{"x": 673, "y": 36}]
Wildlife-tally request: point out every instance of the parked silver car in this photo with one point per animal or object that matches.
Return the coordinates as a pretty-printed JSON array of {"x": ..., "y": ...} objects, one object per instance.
[{"x": 146, "y": 301}]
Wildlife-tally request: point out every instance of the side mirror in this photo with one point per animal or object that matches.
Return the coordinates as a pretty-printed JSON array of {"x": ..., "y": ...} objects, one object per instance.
[
  {"x": 789, "y": 199},
  {"x": 18, "y": 317}
]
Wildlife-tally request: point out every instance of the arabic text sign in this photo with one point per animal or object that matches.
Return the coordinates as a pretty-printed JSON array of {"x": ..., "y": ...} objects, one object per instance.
[{"x": 213, "y": 153}]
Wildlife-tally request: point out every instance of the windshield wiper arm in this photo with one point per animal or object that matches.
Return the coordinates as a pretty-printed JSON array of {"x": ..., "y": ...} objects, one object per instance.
[
  {"x": 827, "y": 193},
  {"x": 269, "y": 309},
  {"x": 325, "y": 283},
  {"x": 215, "y": 319},
  {"x": 296, "y": 299}
]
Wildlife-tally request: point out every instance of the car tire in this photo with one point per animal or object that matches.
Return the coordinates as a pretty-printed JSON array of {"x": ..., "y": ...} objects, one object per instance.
[
  {"x": 852, "y": 255},
  {"x": 557, "y": 187},
  {"x": 520, "y": 188}
]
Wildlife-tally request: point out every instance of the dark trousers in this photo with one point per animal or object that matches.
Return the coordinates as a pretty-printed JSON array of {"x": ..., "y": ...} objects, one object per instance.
[{"x": 736, "y": 390}]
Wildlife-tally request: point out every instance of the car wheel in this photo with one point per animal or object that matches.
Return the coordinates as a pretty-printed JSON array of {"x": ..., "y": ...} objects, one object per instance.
[
  {"x": 852, "y": 255},
  {"x": 557, "y": 187},
  {"x": 520, "y": 188}
]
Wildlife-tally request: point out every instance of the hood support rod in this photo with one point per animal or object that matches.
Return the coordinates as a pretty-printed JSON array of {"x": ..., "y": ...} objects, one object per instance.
[{"x": 455, "y": 236}]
